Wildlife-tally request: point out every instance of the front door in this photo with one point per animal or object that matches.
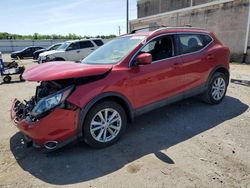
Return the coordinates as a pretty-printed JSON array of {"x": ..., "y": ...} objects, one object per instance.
[
  {"x": 161, "y": 79},
  {"x": 73, "y": 52}
]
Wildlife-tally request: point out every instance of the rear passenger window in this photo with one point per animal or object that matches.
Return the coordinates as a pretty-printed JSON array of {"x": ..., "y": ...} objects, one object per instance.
[
  {"x": 98, "y": 42},
  {"x": 193, "y": 42},
  {"x": 86, "y": 44}
]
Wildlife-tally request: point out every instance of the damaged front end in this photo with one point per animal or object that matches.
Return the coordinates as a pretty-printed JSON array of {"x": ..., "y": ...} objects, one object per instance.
[
  {"x": 48, "y": 95},
  {"x": 47, "y": 118}
]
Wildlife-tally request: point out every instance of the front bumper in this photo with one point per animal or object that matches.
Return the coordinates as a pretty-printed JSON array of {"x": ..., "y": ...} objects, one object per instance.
[
  {"x": 59, "y": 125},
  {"x": 41, "y": 59},
  {"x": 13, "y": 55}
]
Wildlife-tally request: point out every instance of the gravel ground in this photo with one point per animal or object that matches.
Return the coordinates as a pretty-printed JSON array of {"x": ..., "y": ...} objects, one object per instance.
[{"x": 186, "y": 144}]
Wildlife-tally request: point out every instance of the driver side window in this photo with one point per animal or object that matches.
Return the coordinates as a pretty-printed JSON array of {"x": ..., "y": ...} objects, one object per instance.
[
  {"x": 74, "y": 46},
  {"x": 160, "y": 48}
]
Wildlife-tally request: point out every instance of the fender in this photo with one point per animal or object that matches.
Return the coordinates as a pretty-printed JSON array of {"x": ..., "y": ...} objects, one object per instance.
[
  {"x": 84, "y": 110},
  {"x": 214, "y": 70}
]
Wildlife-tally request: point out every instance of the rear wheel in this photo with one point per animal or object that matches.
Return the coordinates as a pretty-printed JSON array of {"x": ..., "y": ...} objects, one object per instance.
[
  {"x": 7, "y": 79},
  {"x": 104, "y": 124},
  {"x": 217, "y": 89},
  {"x": 58, "y": 59},
  {"x": 21, "y": 78}
]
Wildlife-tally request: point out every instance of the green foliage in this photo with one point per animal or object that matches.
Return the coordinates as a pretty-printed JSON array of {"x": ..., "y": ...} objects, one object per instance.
[{"x": 37, "y": 36}]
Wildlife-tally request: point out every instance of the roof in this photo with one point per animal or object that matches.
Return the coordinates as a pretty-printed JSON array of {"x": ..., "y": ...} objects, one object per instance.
[
  {"x": 168, "y": 30},
  {"x": 83, "y": 40}
]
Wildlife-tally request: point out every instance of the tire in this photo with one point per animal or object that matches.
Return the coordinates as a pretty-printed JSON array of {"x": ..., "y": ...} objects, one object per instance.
[
  {"x": 21, "y": 78},
  {"x": 7, "y": 79},
  {"x": 113, "y": 131},
  {"x": 58, "y": 59},
  {"x": 215, "y": 94}
]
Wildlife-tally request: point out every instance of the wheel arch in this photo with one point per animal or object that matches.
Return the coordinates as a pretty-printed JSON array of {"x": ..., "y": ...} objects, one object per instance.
[
  {"x": 221, "y": 69},
  {"x": 58, "y": 59},
  {"x": 113, "y": 96}
]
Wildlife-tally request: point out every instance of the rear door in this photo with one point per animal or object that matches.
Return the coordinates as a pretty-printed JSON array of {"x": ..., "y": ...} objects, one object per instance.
[
  {"x": 86, "y": 47},
  {"x": 193, "y": 50}
]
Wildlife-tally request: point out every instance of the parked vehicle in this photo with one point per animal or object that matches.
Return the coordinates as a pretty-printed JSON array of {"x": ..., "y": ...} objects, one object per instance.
[
  {"x": 9, "y": 69},
  {"x": 126, "y": 77},
  {"x": 71, "y": 51},
  {"x": 26, "y": 52},
  {"x": 52, "y": 47}
]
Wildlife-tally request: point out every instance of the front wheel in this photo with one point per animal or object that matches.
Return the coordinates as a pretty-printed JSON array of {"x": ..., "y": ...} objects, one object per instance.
[
  {"x": 104, "y": 124},
  {"x": 217, "y": 89}
]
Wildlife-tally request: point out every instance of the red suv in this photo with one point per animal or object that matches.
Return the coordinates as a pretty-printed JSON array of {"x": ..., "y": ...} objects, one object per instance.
[{"x": 124, "y": 78}]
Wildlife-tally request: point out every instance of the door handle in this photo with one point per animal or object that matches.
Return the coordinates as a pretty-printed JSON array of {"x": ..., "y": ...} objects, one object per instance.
[
  {"x": 92, "y": 49},
  {"x": 78, "y": 51}
]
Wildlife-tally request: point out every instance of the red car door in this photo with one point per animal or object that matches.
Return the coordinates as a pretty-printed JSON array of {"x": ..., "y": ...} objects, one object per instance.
[
  {"x": 159, "y": 80},
  {"x": 193, "y": 49}
]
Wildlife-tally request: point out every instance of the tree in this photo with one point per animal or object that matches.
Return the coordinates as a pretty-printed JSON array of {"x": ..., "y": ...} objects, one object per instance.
[{"x": 37, "y": 36}]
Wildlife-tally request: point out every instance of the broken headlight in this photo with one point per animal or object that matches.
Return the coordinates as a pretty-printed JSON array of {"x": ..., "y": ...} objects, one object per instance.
[{"x": 47, "y": 103}]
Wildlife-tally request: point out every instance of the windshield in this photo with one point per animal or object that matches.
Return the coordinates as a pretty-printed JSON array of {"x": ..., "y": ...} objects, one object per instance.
[
  {"x": 53, "y": 47},
  {"x": 63, "y": 46},
  {"x": 114, "y": 51}
]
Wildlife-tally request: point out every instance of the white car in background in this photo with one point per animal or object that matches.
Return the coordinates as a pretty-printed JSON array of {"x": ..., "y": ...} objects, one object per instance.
[{"x": 71, "y": 50}]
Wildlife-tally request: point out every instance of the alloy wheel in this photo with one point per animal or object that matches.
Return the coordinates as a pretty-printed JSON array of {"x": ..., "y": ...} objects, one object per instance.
[
  {"x": 105, "y": 125},
  {"x": 218, "y": 88}
]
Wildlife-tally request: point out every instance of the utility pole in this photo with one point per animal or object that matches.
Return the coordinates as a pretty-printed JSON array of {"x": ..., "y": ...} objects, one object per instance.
[
  {"x": 127, "y": 16},
  {"x": 119, "y": 29}
]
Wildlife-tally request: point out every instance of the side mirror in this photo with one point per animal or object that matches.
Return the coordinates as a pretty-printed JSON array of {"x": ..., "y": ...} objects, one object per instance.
[{"x": 144, "y": 59}]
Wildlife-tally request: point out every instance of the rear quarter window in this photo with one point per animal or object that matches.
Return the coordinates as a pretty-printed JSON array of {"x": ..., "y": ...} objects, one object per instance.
[
  {"x": 98, "y": 42},
  {"x": 86, "y": 44},
  {"x": 189, "y": 43}
]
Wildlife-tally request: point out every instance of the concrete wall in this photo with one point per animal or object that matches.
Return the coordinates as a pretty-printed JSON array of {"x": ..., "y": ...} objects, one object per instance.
[
  {"x": 227, "y": 20},
  {"x": 152, "y": 7},
  {"x": 13, "y": 45}
]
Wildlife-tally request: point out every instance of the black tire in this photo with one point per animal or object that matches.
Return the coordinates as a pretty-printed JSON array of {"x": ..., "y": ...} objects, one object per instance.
[
  {"x": 7, "y": 79},
  {"x": 58, "y": 59},
  {"x": 207, "y": 95},
  {"x": 21, "y": 78},
  {"x": 88, "y": 138}
]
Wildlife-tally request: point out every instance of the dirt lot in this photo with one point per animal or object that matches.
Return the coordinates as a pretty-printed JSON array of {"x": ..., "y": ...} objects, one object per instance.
[{"x": 186, "y": 144}]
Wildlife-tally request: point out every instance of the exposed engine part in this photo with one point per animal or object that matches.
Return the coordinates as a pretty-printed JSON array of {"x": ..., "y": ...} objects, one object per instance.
[
  {"x": 22, "y": 109},
  {"x": 47, "y": 88}
]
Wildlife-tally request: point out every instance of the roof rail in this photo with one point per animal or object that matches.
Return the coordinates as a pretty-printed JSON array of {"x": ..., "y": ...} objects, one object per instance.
[
  {"x": 157, "y": 26},
  {"x": 162, "y": 27},
  {"x": 175, "y": 27}
]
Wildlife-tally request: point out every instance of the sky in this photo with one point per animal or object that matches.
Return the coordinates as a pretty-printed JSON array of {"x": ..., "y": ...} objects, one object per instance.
[{"x": 81, "y": 17}]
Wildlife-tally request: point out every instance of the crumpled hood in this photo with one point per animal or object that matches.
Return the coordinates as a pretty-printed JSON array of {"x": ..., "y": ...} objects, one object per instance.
[{"x": 59, "y": 70}]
